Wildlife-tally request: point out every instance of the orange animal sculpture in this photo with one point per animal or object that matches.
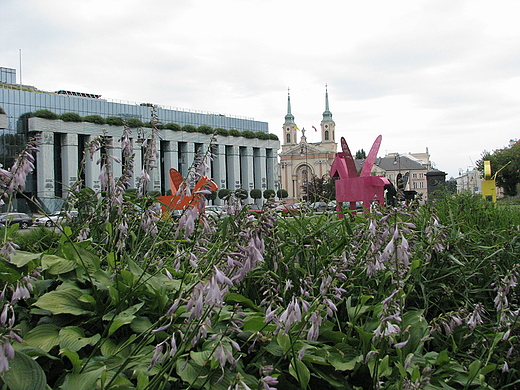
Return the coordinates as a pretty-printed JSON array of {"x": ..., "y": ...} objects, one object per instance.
[
  {"x": 350, "y": 187},
  {"x": 178, "y": 200}
]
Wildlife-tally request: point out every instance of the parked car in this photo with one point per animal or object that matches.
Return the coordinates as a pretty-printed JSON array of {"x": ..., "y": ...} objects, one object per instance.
[
  {"x": 287, "y": 209},
  {"x": 254, "y": 208},
  {"x": 20, "y": 218},
  {"x": 53, "y": 219},
  {"x": 214, "y": 211}
]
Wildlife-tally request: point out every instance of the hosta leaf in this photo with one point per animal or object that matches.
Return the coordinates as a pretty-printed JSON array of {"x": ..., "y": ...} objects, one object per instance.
[
  {"x": 62, "y": 301},
  {"x": 84, "y": 258},
  {"x": 43, "y": 336},
  {"x": 24, "y": 374},
  {"x": 21, "y": 258},
  {"x": 73, "y": 338},
  {"x": 83, "y": 381},
  {"x": 73, "y": 357},
  {"x": 57, "y": 265},
  {"x": 300, "y": 372},
  {"x": 123, "y": 318}
]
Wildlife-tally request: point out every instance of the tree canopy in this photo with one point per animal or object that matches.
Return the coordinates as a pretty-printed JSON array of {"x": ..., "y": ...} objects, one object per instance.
[{"x": 505, "y": 164}]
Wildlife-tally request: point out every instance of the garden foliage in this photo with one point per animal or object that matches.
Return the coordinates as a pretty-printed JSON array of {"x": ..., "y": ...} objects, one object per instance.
[{"x": 403, "y": 298}]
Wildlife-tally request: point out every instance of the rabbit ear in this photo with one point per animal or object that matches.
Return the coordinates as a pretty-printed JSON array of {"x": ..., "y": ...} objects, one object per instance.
[
  {"x": 175, "y": 180},
  {"x": 351, "y": 165},
  {"x": 371, "y": 159}
]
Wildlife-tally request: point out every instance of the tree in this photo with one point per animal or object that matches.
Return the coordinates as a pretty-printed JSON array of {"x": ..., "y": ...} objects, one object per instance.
[
  {"x": 255, "y": 193},
  {"x": 505, "y": 163},
  {"x": 212, "y": 196},
  {"x": 360, "y": 155},
  {"x": 268, "y": 194},
  {"x": 224, "y": 193},
  {"x": 282, "y": 194},
  {"x": 241, "y": 193}
]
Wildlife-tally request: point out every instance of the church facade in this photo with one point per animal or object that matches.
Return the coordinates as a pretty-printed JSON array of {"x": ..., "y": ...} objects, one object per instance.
[{"x": 300, "y": 160}]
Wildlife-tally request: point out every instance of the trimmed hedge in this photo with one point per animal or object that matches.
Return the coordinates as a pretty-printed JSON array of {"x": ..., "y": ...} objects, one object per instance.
[
  {"x": 97, "y": 119},
  {"x": 2, "y": 110},
  {"x": 134, "y": 123},
  {"x": 115, "y": 121},
  {"x": 45, "y": 114},
  {"x": 71, "y": 117}
]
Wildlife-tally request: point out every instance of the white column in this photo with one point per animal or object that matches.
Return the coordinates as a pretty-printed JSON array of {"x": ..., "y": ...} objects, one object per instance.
[
  {"x": 155, "y": 173},
  {"x": 233, "y": 167},
  {"x": 138, "y": 163},
  {"x": 115, "y": 150},
  {"x": 219, "y": 169},
  {"x": 92, "y": 169},
  {"x": 261, "y": 163},
  {"x": 45, "y": 166},
  {"x": 69, "y": 161},
  {"x": 271, "y": 165},
  {"x": 246, "y": 160},
  {"x": 170, "y": 153}
]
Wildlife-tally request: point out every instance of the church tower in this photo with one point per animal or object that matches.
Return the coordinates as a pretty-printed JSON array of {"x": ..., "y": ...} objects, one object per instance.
[
  {"x": 289, "y": 127},
  {"x": 328, "y": 127}
]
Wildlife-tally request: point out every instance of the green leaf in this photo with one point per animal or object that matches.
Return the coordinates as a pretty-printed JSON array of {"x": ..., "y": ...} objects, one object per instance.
[
  {"x": 255, "y": 323},
  {"x": 63, "y": 300},
  {"x": 73, "y": 338},
  {"x": 21, "y": 258},
  {"x": 123, "y": 318},
  {"x": 232, "y": 298},
  {"x": 9, "y": 273},
  {"x": 201, "y": 358},
  {"x": 56, "y": 265},
  {"x": 84, "y": 258},
  {"x": 43, "y": 336},
  {"x": 300, "y": 372},
  {"x": 24, "y": 374},
  {"x": 284, "y": 341},
  {"x": 83, "y": 381},
  {"x": 73, "y": 357}
]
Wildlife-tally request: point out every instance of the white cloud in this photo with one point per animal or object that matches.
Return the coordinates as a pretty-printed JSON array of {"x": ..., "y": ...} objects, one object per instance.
[{"x": 442, "y": 75}]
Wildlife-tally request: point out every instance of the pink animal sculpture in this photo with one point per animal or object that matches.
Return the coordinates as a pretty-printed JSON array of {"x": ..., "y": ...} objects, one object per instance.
[{"x": 350, "y": 187}]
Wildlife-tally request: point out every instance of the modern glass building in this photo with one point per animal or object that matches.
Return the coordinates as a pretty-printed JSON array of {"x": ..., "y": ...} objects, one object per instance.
[{"x": 239, "y": 163}]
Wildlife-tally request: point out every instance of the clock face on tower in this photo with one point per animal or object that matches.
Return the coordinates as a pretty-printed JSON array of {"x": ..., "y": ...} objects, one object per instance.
[{"x": 326, "y": 126}]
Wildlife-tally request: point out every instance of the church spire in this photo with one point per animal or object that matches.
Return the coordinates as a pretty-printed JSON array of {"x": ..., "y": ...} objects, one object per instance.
[
  {"x": 289, "y": 118},
  {"x": 327, "y": 115}
]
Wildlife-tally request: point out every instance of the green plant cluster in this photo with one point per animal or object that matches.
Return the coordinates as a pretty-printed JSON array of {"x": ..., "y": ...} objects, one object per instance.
[
  {"x": 135, "y": 123},
  {"x": 421, "y": 297},
  {"x": 2, "y": 110}
]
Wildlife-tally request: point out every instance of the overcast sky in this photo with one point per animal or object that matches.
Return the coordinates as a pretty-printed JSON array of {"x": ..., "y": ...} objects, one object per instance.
[{"x": 442, "y": 75}]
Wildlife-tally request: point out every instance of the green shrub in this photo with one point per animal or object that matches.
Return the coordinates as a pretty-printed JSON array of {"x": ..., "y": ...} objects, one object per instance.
[
  {"x": 221, "y": 131},
  {"x": 205, "y": 129},
  {"x": 224, "y": 193},
  {"x": 212, "y": 196},
  {"x": 97, "y": 119},
  {"x": 45, "y": 114},
  {"x": 248, "y": 134},
  {"x": 115, "y": 121},
  {"x": 282, "y": 194},
  {"x": 255, "y": 193},
  {"x": 36, "y": 240},
  {"x": 268, "y": 194},
  {"x": 172, "y": 126},
  {"x": 261, "y": 135},
  {"x": 71, "y": 117},
  {"x": 134, "y": 123},
  {"x": 2, "y": 110},
  {"x": 272, "y": 136},
  {"x": 189, "y": 128},
  {"x": 234, "y": 133},
  {"x": 241, "y": 193}
]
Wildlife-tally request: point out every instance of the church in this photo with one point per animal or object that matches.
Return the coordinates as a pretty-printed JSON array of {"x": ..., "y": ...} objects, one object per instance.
[{"x": 300, "y": 160}]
